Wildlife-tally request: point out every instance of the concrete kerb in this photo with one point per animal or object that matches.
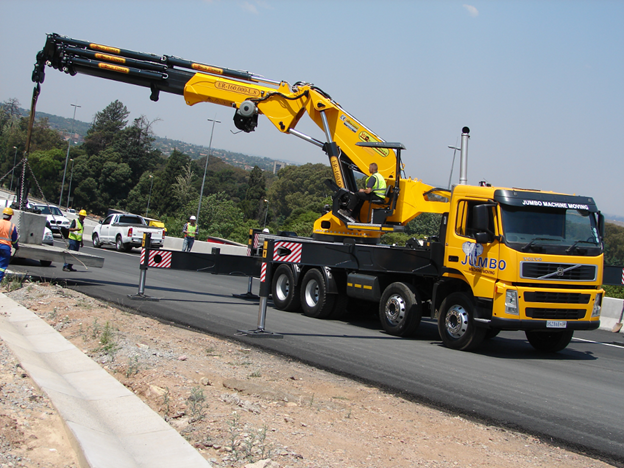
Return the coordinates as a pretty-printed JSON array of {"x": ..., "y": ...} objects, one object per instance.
[
  {"x": 612, "y": 311},
  {"x": 109, "y": 425}
]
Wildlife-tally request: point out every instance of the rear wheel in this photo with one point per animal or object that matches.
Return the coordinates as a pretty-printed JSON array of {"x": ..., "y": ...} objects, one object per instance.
[
  {"x": 400, "y": 309},
  {"x": 285, "y": 291},
  {"x": 96, "y": 241},
  {"x": 315, "y": 301},
  {"x": 456, "y": 323},
  {"x": 549, "y": 341},
  {"x": 121, "y": 247}
]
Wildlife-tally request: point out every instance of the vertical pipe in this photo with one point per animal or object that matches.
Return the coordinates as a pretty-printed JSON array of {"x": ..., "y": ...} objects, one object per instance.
[
  {"x": 332, "y": 151},
  {"x": 463, "y": 165}
]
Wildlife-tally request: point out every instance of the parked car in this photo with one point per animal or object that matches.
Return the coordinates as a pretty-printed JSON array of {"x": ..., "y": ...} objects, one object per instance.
[
  {"x": 125, "y": 231},
  {"x": 55, "y": 217}
]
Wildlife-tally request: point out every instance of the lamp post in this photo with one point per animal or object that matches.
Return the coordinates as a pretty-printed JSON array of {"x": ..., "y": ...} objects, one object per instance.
[
  {"x": 455, "y": 150},
  {"x": 67, "y": 157},
  {"x": 13, "y": 170},
  {"x": 71, "y": 176},
  {"x": 201, "y": 193},
  {"x": 150, "y": 194},
  {"x": 266, "y": 213}
]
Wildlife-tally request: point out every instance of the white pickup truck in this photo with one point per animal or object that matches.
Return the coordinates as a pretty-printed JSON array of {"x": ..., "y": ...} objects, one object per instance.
[{"x": 125, "y": 231}]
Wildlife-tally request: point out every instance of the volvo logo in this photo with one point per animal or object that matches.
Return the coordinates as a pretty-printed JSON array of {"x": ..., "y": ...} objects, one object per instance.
[{"x": 560, "y": 271}]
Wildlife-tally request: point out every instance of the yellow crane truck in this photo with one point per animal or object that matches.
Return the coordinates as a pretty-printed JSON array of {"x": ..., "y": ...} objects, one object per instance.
[{"x": 504, "y": 259}]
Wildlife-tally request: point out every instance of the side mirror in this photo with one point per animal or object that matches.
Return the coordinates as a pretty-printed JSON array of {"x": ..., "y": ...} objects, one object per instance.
[
  {"x": 101, "y": 221},
  {"x": 481, "y": 214},
  {"x": 601, "y": 225}
]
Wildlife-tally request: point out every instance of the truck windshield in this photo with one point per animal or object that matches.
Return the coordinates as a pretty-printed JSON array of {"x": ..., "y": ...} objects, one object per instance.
[{"x": 538, "y": 227}]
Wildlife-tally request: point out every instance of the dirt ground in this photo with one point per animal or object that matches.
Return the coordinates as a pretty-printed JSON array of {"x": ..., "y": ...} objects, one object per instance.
[{"x": 239, "y": 406}]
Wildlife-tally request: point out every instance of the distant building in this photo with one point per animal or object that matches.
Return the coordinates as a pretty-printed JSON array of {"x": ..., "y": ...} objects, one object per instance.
[{"x": 277, "y": 165}]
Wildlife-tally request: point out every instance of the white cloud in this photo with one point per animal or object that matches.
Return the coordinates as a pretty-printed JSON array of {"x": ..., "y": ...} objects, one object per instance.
[
  {"x": 250, "y": 8},
  {"x": 472, "y": 11}
]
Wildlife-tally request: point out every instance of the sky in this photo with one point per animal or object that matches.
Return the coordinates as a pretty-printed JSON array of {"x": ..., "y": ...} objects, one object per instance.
[{"x": 539, "y": 83}]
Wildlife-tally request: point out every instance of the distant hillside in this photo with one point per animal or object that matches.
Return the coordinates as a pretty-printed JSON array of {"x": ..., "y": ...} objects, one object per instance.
[{"x": 166, "y": 145}]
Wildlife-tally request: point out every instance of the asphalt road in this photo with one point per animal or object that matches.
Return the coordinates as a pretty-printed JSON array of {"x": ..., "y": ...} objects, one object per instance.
[{"x": 575, "y": 397}]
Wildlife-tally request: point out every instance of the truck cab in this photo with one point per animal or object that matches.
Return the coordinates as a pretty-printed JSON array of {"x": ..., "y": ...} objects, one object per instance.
[{"x": 523, "y": 260}]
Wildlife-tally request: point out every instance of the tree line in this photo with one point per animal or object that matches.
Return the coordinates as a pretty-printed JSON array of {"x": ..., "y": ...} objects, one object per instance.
[{"x": 118, "y": 167}]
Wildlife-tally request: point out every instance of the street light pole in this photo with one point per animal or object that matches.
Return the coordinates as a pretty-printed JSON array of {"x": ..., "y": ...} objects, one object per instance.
[
  {"x": 150, "y": 195},
  {"x": 67, "y": 157},
  {"x": 13, "y": 170},
  {"x": 201, "y": 193},
  {"x": 455, "y": 150},
  {"x": 71, "y": 176}
]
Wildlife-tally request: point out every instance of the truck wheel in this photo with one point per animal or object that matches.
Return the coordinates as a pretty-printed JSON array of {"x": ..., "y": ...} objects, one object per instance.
[
  {"x": 456, "y": 323},
  {"x": 400, "y": 309},
  {"x": 315, "y": 301},
  {"x": 121, "y": 247},
  {"x": 285, "y": 291},
  {"x": 549, "y": 341},
  {"x": 96, "y": 241},
  {"x": 45, "y": 263}
]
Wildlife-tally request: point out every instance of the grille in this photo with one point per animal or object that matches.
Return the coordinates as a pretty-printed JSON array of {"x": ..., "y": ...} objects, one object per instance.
[
  {"x": 558, "y": 271},
  {"x": 557, "y": 298},
  {"x": 555, "y": 314}
]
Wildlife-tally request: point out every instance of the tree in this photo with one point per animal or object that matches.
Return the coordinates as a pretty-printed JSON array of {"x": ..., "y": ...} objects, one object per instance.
[
  {"x": 253, "y": 204},
  {"x": 614, "y": 244},
  {"x": 300, "y": 187},
  {"x": 106, "y": 125}
]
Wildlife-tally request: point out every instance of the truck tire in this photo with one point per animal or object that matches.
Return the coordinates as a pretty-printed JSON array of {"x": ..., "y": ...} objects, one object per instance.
[
  {"x": 456, "y": 323},
  {"x": 315, "y": 301},
  {"x": 96, "y": 241},
  {"x": 284, "y": 290},
  {"x": 549, "y": 341},
  {"x": 45, "y": 263},
  {"x": 400, "y": 309},
  {"x": 121, "y": 247}
]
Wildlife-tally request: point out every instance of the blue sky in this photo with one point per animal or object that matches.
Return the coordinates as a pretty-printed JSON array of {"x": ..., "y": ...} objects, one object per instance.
[{"x": 539, "y": 83}]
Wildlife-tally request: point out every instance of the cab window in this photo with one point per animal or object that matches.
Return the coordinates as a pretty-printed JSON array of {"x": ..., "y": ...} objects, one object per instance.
[{"x": 465, "y": 223}]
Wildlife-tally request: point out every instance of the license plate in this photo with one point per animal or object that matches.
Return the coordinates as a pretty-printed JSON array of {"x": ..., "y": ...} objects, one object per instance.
[{"x": 556, "y": 324}]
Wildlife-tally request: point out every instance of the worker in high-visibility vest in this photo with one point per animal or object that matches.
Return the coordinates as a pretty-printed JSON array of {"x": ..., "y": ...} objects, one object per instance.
[
  {"x": 8, "y": 238},
  {"x": 375, "y": 191},
  {"x": 76, "y": 231},
  {"x": 189, "y": 231}
]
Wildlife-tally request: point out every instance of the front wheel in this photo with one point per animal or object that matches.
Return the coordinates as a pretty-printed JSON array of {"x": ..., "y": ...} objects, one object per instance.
[
  {"x": 456, "y": 323},
  {"x": 315, "y": 301},
  {"x": 400, "y": 309},
  {"x": 284, "y": 290},
  {"x": 549, "y": 341},
  {"x": 96, "y": 241}
]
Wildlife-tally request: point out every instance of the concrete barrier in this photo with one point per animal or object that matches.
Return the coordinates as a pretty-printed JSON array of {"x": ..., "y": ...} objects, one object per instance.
[
  {"x": 611, "y": 313},
  {"x": 175, "y": 243}
]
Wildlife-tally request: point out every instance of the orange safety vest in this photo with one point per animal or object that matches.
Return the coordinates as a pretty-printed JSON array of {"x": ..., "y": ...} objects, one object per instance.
[{"x": 6, "y": 232}]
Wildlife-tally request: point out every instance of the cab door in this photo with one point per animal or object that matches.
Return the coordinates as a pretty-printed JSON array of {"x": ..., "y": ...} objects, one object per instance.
[{"x": 478, "y": 263}]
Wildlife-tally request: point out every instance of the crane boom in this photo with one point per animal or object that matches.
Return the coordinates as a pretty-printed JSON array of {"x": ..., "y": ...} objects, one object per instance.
[{"x": 251, "y": 95}]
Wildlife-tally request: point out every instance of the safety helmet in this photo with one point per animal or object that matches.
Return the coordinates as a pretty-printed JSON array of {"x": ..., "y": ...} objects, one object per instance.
[
  {"x": 192, "y": 218},
  {"x": 82, "y": 213},
  {"x": 8, "y": 211}
]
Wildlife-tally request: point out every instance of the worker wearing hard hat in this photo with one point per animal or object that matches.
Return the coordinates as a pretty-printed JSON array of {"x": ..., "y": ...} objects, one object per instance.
[
  {"x": 76, "y": 231},
  {"x": 8, "y": 238},
  {"x": 189, "y": 231}
]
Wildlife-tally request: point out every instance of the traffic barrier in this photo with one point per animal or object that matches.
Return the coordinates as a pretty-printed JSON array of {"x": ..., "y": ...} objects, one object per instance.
[{"x": 612, "y": 314}]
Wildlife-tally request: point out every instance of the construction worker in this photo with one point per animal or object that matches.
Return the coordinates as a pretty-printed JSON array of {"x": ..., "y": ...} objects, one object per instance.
[
  {"x": 76, "y": 231},
  {"x": 8, "y": 238},
  {"x": 190, "y": 231},
  {"x": 375, "y": 191}
]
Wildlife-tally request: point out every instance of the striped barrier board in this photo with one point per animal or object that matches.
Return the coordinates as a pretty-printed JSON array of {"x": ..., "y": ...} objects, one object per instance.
[
  {"x": 287, "y": 252},
  {"x": 157, "y": 258}
]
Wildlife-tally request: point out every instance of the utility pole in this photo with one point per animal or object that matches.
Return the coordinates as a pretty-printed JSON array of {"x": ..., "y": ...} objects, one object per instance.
[
  {"x": 201, "y": 193},
  {"x": 67, "y": 157}
]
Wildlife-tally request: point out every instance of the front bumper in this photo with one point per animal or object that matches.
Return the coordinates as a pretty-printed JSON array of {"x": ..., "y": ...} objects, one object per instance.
[{"x": 511, "y": 324}]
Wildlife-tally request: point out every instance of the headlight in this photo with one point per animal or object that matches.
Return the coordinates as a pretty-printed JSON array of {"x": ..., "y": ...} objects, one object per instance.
[
  {"x": 597, "y": 305},
  {"x": 511, "y": 302}
]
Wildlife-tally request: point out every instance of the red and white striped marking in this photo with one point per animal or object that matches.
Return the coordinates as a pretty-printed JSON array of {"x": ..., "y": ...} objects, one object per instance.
[
  {"x": 157, "y": 258},
  {"x": 295, "y": 252},
  {"x": 622, "y": 275},
  {"x": 263, "y": 272}
]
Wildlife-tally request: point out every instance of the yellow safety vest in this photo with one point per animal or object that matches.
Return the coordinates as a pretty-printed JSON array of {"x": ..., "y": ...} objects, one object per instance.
[
  {"x": 379, "y": 188},
  {"x": 191, "y": 230},
  {"x": 77, "y": 235}
]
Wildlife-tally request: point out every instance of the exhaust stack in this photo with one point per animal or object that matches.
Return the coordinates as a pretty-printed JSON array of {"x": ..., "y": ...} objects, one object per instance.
[{"x": 463, "y": 163}]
